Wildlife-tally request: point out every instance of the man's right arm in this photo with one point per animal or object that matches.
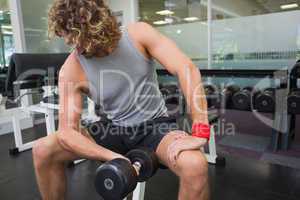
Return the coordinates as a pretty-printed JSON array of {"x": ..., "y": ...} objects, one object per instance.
[{"x": 70, "y": 108}]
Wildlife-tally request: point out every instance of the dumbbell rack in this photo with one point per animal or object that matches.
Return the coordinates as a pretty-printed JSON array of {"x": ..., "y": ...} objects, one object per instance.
[
  {"x": 281, "y": 122},
  {"x": 293, "y": 85}
]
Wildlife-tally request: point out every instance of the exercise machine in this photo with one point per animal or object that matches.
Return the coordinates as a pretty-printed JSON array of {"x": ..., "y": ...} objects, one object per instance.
[{"x": 27, "y": 72}]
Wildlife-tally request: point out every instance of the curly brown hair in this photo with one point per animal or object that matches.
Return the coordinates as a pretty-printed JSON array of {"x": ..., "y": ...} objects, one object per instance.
[{"x": 87, "y": 24}]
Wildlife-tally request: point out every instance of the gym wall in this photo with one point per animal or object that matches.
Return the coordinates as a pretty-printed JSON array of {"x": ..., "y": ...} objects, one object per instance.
[{"x": 241, "y": 37}]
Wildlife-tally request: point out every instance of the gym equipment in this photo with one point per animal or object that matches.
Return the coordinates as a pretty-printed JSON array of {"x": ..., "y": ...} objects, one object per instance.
[
  {"x": 53, "y": 99},
  {"x": 40, "y": 65},
  {"x": 264, "y": 101},
  {"x": 117, "y": 178},
  {"x": 295, "y": 75},
  {"x": 3, "y": 100},
  {"x": 281, "y": 77},
  {"x": 212, "y": 96},
  {"x": 242, "y": 100},
  {"x": 25, "y": 72},
  {"x": 32, "y": 70},
  {"x": 19, "y": 98},
  {"x": 294, "y": 102},
  {"x": 170, "y": 93},
  {"x": 227, "y": 95},
  {"x": 2, "y": 82},
  {"x": 294, "y": 96}
]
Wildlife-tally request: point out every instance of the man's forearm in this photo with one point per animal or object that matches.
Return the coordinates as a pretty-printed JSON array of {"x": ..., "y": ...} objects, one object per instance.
[
  {"x": 77, "y": 143},
  {"x": 191, "y": 84}
]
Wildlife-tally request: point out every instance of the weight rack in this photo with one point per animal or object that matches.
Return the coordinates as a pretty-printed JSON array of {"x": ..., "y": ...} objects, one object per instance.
[{"x": 282, "y": 121}]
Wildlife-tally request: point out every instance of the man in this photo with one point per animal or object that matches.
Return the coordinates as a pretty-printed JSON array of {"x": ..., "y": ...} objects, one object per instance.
[{"x": 116, "y": 70}]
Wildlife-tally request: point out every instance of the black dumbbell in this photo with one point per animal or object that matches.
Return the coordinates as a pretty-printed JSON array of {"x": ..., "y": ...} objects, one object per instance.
[
  {"x": 170, "y": 93},
  {"x": 212, "y": 96},
  {"x": 228, "y": 93},
  {"x": 242, "y": 99},
  {"x": 264, "y": 101},
  {"x": 294, "y": 102},
  {"x": 118, "y": 178},
  {"x": 295, "y": 75}
]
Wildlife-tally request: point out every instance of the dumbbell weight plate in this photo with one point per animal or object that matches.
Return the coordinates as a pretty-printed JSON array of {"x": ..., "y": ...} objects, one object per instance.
[
  {"x": 242, "y": 100},
  {"x": 170, "y": 94},
  {"x": 209, "y": 89},
  {"x": 169, "y": 89},
  {"x": 265, "y": 101},
  {"x": 115, "y": 179},
  {"x": 228, "y": 93},
  {"x": 148, "y": 160},
  {"x": 231, "y": 89},
  {"x": 294, "y": 102},
  {"x": 212, "y": 96}
]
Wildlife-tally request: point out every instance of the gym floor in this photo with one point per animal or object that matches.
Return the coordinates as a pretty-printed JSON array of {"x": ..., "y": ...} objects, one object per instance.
[
  {"x": 252, "y": 140},
  {"x": 243, "y": 178}
]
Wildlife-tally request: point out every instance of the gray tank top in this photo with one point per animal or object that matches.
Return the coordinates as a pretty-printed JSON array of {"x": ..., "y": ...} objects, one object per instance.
[{"x": 125, "y": 84}]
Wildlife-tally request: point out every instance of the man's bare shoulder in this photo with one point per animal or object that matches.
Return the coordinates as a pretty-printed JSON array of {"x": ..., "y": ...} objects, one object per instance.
[
  {"x": 142, "y": 31},
  {"x": 72, "y": 69},
  {"x": 139, "y": 26}
]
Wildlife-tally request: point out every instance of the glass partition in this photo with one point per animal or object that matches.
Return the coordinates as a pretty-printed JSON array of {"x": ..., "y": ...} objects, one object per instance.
[
  {"x": 245, "y": 34},
  {"x": 185, "y": 22},
  {"x": 6, "y": 34},
  {"x": 35, "y": 19},
  {"x": 255, "y": 34}
]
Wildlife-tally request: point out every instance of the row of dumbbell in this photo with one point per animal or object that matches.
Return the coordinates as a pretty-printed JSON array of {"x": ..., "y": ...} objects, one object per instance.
[
  {"x": 234, "y": 97},
  {"x": 171, "y": 93},
  {"x": 249, "y": 98}
]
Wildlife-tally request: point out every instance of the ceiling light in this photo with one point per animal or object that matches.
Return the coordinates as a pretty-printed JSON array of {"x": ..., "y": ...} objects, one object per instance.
[
  {"x": 191, "y": 19},
  {"x": 7, "y": 26},
  {"x": 165, "y": 12},
  {"x": 7, "y": 33},
  {"x": 289, "y": 6},
  {"x": 161, "y": 22}
]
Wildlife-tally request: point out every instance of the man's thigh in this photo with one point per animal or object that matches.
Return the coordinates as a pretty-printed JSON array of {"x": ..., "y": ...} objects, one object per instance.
[{"x": 152, "y": 133}]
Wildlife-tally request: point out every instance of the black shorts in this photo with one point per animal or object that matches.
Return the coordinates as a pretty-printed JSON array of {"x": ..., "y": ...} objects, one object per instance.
[{"x": 123, "y": 139}]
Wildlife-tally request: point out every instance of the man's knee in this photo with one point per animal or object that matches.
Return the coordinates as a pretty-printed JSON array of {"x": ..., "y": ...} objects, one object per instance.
[
  {"x": 193, "y": 166},
  {"x": 42, "y": 151}
]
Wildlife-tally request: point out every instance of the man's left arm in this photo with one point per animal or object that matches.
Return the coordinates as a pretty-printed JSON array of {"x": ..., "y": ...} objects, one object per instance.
[{"x": 177, "y": 63}]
